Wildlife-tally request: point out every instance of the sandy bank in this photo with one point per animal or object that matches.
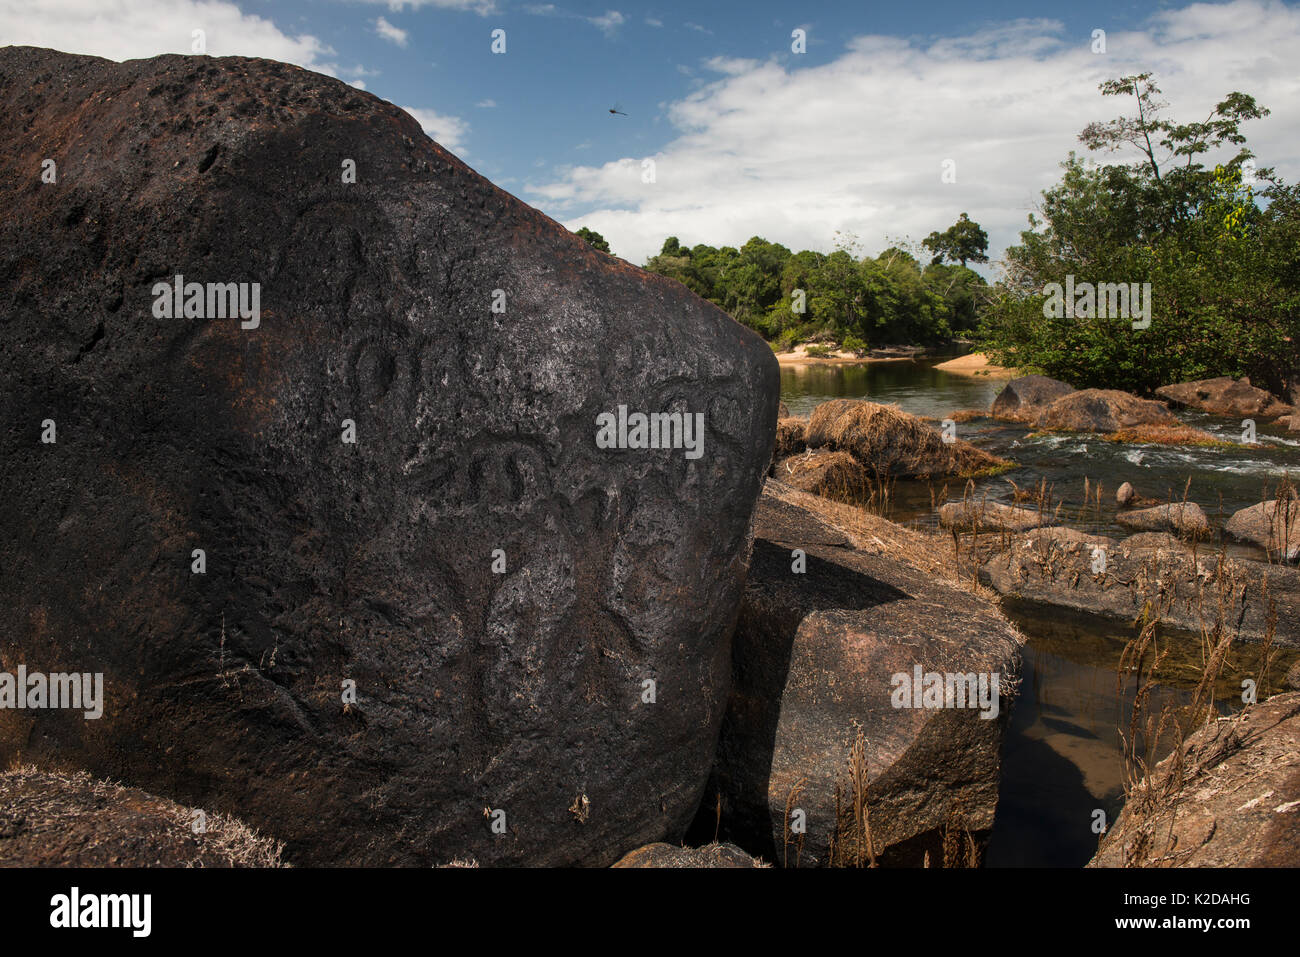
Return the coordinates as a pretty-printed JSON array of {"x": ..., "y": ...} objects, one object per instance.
[{"x": 976, "y": 363}]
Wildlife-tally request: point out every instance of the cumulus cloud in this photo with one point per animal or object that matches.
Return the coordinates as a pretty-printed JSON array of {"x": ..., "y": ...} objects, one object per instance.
[
  {"x": 795, "y": 153},
  {"x": 390, "y": 33},
  {"x": 129, "y": 29},
  {"x": 447, "y": 131}
]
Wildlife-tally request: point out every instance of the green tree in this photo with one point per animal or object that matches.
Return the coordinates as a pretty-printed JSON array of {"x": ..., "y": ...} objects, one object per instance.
[
  {"x": 1219, "y": 255},
  {"x": 594, "y": 239},
  {"x": 964, "y": 241}
]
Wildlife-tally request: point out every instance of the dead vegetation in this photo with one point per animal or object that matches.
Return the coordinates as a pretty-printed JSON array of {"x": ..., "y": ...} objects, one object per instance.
[
  {"x": 60, "y": 819},
  {"x": 1153, "y": 790},
  {"x": 889, "y": 441}
]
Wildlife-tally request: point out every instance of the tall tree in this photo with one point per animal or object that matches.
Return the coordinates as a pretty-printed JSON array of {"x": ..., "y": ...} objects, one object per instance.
[{"x": 964, "y": 241}]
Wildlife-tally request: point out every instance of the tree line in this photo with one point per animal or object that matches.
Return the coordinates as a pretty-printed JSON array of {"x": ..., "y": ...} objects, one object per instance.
[
  {"x": 840, "y": 298},
  {"x": 1219, "y": 246}
]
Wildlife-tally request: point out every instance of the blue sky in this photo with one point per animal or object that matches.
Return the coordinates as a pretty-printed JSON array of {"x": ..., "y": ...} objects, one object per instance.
[{"x": 747, "y": 137}]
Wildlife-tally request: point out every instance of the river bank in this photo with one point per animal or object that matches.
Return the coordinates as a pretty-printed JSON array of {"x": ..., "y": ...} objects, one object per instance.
[{"x": 1063, "y": 756}]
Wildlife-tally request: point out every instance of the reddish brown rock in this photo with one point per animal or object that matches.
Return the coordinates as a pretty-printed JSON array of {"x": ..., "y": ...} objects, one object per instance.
[
  {"x": 815, "y": 657},
  {"x": 1225, "y": 396},
  {"x": 1024, "y": 399},
  {"x": 1102, "y": 410}
]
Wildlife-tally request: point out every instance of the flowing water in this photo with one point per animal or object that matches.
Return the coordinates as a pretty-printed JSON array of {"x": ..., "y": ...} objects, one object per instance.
[{"x": 1062, "y": 754}]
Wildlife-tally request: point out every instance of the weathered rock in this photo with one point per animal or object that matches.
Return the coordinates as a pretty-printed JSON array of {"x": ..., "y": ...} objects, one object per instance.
[
  {"x": 1236, "y": 802},
  {"x": 1187, "y": 590},
  {"x": 891, "y": 442},
  {"x": 1024, "y": 399},
  {"x": 1293, "y": 677},
  {"x": 1273, "y": 526},
  {"x": 668, "y": 855},
  {"x": 1224, "y": 396},
  {"x": 836, "y": 475},
  {"x": 369, "y": 562},
  {"x": 1125, "y": 494},
  {"x": 814, "y": 658},
  {"x": 1155, "y": 540},
  {"x": 1102, "y": 410},
  {"x": 1185, "y": 518},
  {"x": 984, "y": 516},
  {"x": 54, "y": 819}
]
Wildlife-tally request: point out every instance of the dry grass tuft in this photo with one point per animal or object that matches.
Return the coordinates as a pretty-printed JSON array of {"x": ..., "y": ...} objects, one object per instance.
[
  {"x": 889, "y": 441},
  {"x": 1167, "y": 435}
]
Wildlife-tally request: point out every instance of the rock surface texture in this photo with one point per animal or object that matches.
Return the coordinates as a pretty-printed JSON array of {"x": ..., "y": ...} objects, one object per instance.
[
  {"x": 1024, "y": 399},
  {"x": 1225, "y": 396},
  {"x": 814, "y": 657},
  {"x": 519, "y": 688},
  {"x": 1236, "y": 802},
  {"x": 669, "y": 855}
]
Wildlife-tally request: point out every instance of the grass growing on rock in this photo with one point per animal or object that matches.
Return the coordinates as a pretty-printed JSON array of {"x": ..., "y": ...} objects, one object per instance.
[{"x": 890, "y": 441}]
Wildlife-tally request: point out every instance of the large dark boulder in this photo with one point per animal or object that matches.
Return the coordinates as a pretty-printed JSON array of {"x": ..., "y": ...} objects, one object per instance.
[
  {"x": 1023, "y": 399},
  {"x": 521, "y": 689},
  {"x": 815, "y": 657}
]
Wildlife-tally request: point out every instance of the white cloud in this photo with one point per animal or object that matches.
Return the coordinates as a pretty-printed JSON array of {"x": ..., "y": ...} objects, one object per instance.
[
  {"x": 481, "y": 7},
  {"x": 794, "y": 153},
  {"x": 608, "y": 23},
  {"x": 390, "y": 33},
  {"x": 486, "y": 104},
  {"x": 652, "y": 22},
  {"x": 129, "y": 29},
  {"x": 447, "y": 131}
]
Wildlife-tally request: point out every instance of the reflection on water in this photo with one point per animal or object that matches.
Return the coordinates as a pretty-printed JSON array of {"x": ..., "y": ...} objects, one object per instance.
[
  {"x": 915, "y": 386},
  {"x": 1062, "y": 757}
]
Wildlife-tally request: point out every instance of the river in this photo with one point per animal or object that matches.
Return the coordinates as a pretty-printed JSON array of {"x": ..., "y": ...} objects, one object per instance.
[{"x": 1062, "y": 754}]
